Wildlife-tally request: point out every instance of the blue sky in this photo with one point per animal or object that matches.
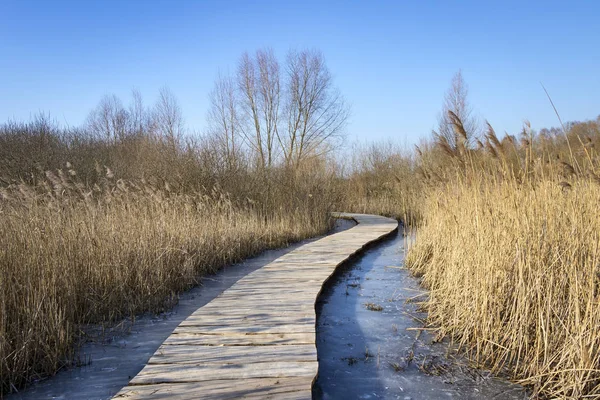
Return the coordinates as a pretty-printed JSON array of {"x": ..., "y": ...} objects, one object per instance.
[{"x": 393, "y": 60}]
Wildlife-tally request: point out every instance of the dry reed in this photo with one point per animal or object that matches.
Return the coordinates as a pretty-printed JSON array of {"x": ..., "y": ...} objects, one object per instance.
[
  {"x": 72, "y": 254},
  {"x": 510, "y": 250}
]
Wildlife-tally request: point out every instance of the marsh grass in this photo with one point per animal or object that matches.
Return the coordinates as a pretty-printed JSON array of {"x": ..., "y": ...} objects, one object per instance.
[
  {"x": 514, "y": 276},
  {"x": 510, "y": 249},
  {"x": 73, "y": 254},
  {"x": 508, "y": 238},
  {"x": 383, "y": 181}
]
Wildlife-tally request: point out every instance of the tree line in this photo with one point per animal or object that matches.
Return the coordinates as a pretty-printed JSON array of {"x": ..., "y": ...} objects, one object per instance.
[{"x": 268, "y": 113}]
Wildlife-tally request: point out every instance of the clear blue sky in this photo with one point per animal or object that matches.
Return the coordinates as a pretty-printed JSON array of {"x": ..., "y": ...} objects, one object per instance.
[{"x": 393, "y": 60}]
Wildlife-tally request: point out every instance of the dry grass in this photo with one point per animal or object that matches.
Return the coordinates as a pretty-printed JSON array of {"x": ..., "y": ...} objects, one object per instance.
[
  {"x": 141, "y": 219},
  {"x": 514, "y": 275},
  {"x": 72, "y": 254},
  {"x": 383, "y": 181},
  {"x": 508, "y": 239},
  {"x": 510, "y": 249},
  {"x": 373, "y": 307}
]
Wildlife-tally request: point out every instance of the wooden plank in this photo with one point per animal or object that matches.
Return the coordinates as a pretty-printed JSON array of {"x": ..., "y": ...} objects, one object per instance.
[
  {"x": 252, "y": 314},
  {"x": 257, "y": 388},
  {"x": 170, "y": 373},
  {"x": 245, "y": 329},
  {"x": 257, "y": 339},
  {"x": 232, "y": 354},
  {"x": 236, "y": 320},
  {"x": 292, "y": 288},
  {"x": 241, "y": 339},
  {"x": 276, "y": 296},
  {"x": 275, "y": 307}
]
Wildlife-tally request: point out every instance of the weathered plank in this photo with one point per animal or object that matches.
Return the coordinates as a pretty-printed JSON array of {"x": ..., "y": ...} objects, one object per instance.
[
  {"x": 257, "y": 339},
  {"x": 173, "y": 373},
  {"x": 241, "y": 339},
  {"x": 247, "y": 328},
  {"x": 232, "y": 354},
  {"x": 240, "y": 319},
  {"x": 257, "y": 388}
]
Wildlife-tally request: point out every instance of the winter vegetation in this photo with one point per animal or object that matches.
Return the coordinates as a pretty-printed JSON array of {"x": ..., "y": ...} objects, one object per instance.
[{"x": 114, "y": 218}]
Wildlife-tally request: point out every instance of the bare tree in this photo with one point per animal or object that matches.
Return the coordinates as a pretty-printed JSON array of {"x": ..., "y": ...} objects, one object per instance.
[
  {"x": 315, "y": 111},
  {"x": 269, "y": 90},
  {"x": 109, "y": 120},
  {"x": 456, "y": 102},
  {"x": 224, "y": 121},
  {"x": 168, "y": 118},
  {"x": 279, "y": 116},
  {"x": 259, "y": 87},
  {"x": 138, "y": 115}
]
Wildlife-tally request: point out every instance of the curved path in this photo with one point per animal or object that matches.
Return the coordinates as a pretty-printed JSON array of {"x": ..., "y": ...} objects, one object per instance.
[{"x": 257, "y": 339}]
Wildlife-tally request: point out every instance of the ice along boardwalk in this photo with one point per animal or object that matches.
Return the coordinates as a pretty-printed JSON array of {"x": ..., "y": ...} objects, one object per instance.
[{"x": 257, "y": 339}]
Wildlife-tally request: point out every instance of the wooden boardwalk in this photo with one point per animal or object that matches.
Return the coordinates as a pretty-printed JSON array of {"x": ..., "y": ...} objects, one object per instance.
[{"x": 257, "y": 339}]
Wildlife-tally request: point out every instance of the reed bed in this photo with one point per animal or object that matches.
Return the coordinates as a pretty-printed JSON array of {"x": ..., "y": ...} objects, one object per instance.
[
  {"x": 514, "y": 275},
  {"x": 383, "y": 181},
  {"x": 71, "y": 254},
  {"x": 508, "y": 237},
  {"x": 509, "y": 247}
]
